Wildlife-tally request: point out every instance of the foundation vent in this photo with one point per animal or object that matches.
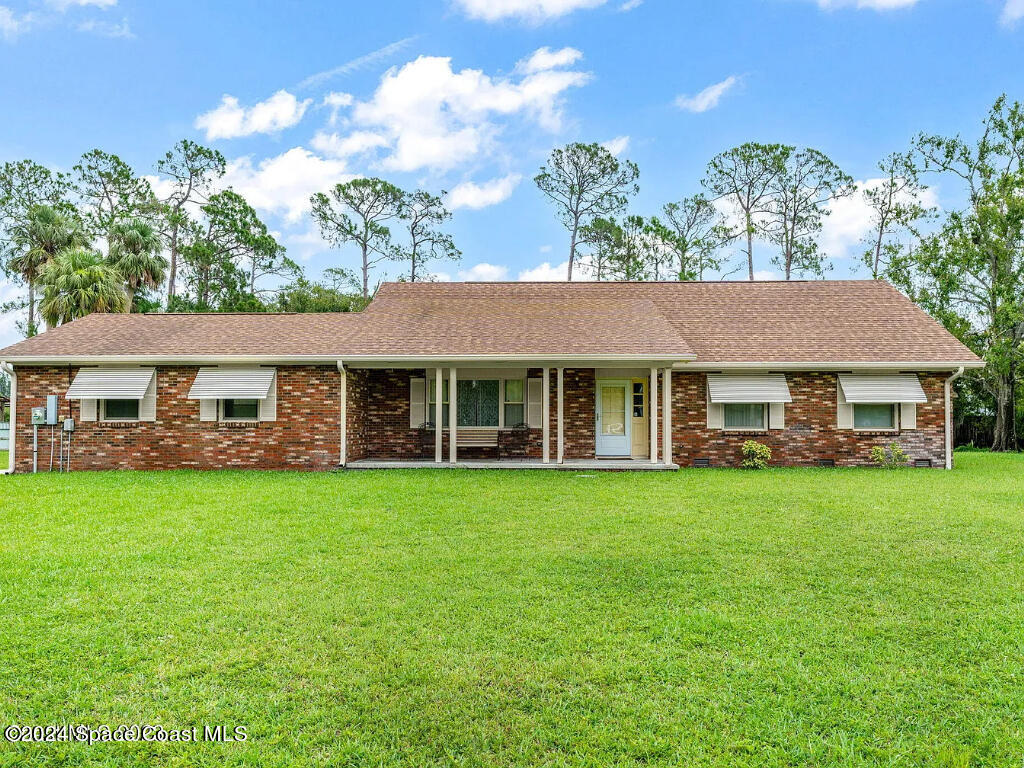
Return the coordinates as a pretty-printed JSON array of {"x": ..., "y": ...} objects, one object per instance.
[
  {"x": 826, "y": 462},
  {"x": 922, "y": 463},
  {"x": 699, "y": 463}
]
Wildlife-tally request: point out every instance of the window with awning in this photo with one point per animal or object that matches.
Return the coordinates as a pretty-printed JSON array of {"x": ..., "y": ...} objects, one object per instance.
[
  {"x": 875, "y": 401},
  {"x": 111, "y": 384},
  {"x": 232, "y": 384},
  {"x": 752, "y": 402}
]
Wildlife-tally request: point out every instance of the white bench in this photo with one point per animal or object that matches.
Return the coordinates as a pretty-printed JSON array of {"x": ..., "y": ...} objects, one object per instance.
[{"x": 476, "y": 438}]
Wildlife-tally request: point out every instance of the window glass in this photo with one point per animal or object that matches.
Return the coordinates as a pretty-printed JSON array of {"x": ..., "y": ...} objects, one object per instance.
[
  {"x": 874, "y": 416},
  {"x": 744, "y": 415},
  {"x": 514, "y": 406},
  {"x": 477, "y": 403},
  {"x": 242, "y": 409},
  {"x": 433, "y": 401},
  {"x": 638, "y": 399},
  {"x": 120, "y": 409}
]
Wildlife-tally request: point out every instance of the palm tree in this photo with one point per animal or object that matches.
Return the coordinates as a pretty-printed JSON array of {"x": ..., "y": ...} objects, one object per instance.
[
  {"x": 135, "y": 254},
  {"x": 78, "y": 282},
  {"x": 45, "y": 233}
]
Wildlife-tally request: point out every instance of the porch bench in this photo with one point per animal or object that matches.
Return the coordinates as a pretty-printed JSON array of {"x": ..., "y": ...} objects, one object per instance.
[{"x": 476, "y": 438}]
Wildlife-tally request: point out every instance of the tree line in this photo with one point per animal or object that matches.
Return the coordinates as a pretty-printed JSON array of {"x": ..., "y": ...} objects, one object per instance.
[{"x": 102, "y": 238}]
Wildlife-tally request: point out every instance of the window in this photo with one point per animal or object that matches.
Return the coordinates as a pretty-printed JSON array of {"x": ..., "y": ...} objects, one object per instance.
[
  {"x": 874, "y": 416},
  {"x": 120, "y": 410},
  {"x": 744, "y": 415},
  {"x": 433, "y": 402},
  {"x": 515, "y": 407},
  {"x": 240, "y": 410},
  {"x": 477, "y": 403},
  {"x": 638, "y": 400}
]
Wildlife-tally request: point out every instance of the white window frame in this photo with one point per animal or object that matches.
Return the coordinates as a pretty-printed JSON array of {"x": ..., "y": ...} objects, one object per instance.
[
  {"x": 504, "y": 402},
  {"x": 894, "y": 408},
  {"x": 764, "y": 419},
  {"x": 234, "y": 419},
  {"x": 102, "y": 411}
]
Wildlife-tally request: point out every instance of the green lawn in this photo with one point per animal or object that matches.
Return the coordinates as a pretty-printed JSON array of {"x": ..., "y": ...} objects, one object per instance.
[{"x": 708, "y": 617}]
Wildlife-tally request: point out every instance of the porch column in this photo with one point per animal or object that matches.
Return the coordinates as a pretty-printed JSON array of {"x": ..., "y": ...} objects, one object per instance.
[
  {"x": 546, "y": 413},
  {"x": 438, "y": 415},
  {"x": 343, "y": 396},
  {"x": 666, "y": 415},
  {"x": 453, "y": 418},
  {"x": 561, "y": 412},
  {"x": 654, "y": 415}
]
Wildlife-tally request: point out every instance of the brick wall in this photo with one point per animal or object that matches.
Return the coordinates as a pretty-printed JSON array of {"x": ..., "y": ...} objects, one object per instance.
[
  {"x": 305, "y": 435},
  {"x": 810, "y": 434}
]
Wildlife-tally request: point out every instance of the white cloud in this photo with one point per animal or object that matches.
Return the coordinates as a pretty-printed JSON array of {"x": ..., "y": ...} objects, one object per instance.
[
  {"x": 476, "y": 196},
  {"x": 108, "y": 28},
  {"x": 874, "y": 5},
  {"x": 355, "y": 143},
  {"x": 544, "y": 59},
  {"x": 335, "y": 101},
  {"x": 629, "y": 5},
  {"x": 765, "y": 274},
  {"x": 63, "y": 5},
  {"x": 356, "y": 64},
  {"x": 545, "y": 249},
  {"x": 483, "y": 272},
  {"x": 533, "y": 11},
  {"x": 546, "y": 272},
  {"x": 12, "y": 25},
  {"x": 1013, "y": 12},
  {"x": 618, "y": 145},
  {"x": 849, "y": 221},
  {"x": 708, "y": 98},
  {"x": 9, "y": 334},
  {"x": 283, "y": 184},
  {"x": 231, "y": 120},
  {"x": 436, "y": 118}
]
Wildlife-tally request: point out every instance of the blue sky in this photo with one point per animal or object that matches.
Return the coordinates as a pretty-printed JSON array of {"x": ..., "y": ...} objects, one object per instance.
[{"x": 470, "y": 96}]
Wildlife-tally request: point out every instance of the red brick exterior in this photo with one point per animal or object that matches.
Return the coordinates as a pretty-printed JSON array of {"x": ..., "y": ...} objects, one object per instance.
[
  {"x": 810, "y": 433},
  {"x": 306, "y": 434}
]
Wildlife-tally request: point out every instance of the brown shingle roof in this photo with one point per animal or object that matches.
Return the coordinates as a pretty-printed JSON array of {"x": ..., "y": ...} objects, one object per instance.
[{"x": 855, "y": 321}]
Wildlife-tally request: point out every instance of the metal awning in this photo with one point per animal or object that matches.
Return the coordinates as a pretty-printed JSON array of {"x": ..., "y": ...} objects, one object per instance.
[
  {"x": 111, "y": 383},
  {"x": 882, "y": 388},
  {"x": 239, "y": 383},
  {"x": 746, "y": 388}
]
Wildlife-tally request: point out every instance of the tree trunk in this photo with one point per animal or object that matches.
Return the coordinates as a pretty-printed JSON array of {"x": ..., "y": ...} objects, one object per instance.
[
  {"x": 30, "y": 327},
  {"x": 750, "y": 247},
  {"x": 572, "y": 246},
  {"x": 172, "y": 271},
  {"x": 366, "y": 273},
  {"x": 1005, "y": 438},
  {"x": 130, "y": 293}
]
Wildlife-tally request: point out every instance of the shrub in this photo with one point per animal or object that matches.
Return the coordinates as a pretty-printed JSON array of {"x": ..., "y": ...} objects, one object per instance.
[
  {"x": 889, "y": 457},
  {"x": 756, "y": 455}
]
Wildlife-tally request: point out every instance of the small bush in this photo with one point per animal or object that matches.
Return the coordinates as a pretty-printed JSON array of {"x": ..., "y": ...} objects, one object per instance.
[
  {"x": 756, "y": 455},
  {"x": 889, "y": 457}
]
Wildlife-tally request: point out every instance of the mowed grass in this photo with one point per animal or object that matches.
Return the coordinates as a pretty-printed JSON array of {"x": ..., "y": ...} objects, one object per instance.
[{"x": 707, "y": 617}]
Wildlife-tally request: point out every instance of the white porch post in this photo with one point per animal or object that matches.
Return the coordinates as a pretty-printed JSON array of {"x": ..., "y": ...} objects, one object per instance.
[
  {"x": 546, "y": 413},
  {"x": 654, "y": 415},
  {"x": 666, "y": 415},
  {"x": 453, "y": 418},
  {"x": 343, "y": 396},
  {"x": 438, "y": 415},
  {"x": 561, "y": 411}
]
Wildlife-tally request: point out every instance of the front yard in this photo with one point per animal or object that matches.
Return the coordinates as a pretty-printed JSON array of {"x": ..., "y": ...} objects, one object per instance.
[{"x": 791, "y": 617}]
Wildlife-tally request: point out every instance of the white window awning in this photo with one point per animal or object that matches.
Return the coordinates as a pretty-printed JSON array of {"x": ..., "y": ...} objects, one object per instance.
[
  {"x": 111, "y": 383},
  {"x": 742, "y": 388},
  {"x": 881, "y": 388},
  {"x": 232, "y": 383}
]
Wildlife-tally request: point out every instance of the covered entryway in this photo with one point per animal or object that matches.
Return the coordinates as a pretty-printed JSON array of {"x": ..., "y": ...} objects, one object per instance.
[{"x": 614, "y": 418}]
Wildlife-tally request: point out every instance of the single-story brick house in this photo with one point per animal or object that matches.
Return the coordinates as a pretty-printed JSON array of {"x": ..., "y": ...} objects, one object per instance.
[{"x": 616, "y": 375}]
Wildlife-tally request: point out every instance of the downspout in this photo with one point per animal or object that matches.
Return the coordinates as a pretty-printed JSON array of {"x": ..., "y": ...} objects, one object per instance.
[
  {"x": 343, "y": 423},
  {"x": 9, "y": 370},
  {"x": 949, "y": 415}
]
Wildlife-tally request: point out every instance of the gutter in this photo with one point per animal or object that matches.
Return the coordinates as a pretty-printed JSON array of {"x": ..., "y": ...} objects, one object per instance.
[
  {"x": 343, "y": 421},
  {"x": 949, "y": 415},
  {"x": 901, "y": 365},
  {"x": 9, "y": 370}
]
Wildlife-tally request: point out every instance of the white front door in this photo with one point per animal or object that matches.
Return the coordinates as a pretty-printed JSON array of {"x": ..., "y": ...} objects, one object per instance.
[{"x": 613, "y": 418}]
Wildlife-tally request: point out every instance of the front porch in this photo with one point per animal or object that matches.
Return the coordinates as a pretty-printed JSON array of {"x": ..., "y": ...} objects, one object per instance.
[
  {"x": 567, "y": 465},
  {"x": 510, "y": 417}
]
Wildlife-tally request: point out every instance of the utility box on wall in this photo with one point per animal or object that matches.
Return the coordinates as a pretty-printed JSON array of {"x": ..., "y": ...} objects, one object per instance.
[
  {"x": 39, "y": 416},
  {"x": 51, "y": 409}
]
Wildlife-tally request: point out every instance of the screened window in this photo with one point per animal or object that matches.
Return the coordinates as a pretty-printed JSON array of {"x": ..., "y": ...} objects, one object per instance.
[
  {"x": 874, "y": 416},
  {"x": 120, "y": 410},
  {"x": 515, "y": 407},
  {"x": 240, "y": 410},
  {"x": 744, "y": 415},
  {"x": 433, "y": 401},
  {"x": 477, "y": 403}
]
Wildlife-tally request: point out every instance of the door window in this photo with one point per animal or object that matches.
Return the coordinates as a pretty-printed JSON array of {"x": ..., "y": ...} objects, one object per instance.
[{"x": 613, "y": 410}]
